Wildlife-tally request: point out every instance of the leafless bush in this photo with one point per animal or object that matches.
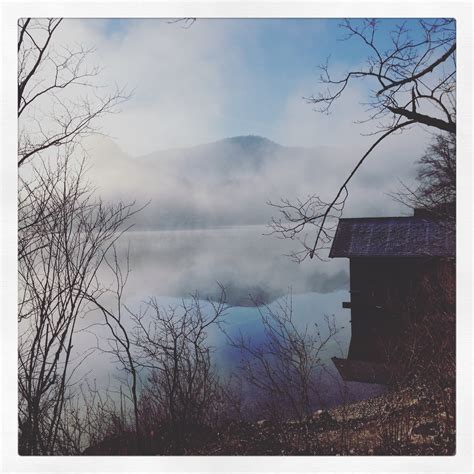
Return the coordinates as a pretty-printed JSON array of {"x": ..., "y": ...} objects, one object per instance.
[
  {"x": 64, "y": 235},
  {"x": 423, "y": 358},
  {"x": 235, "y": 406},
  {"x": 283, "y": 368},
  {"x": 426, "y": 347},
  {"x": 181, "y": 393},
  {"x": 119, "y": 343},
  {"x": 395, "y": 430},
  {"x": 92, "y": 416},
  {"x": 64, "y": 231}
]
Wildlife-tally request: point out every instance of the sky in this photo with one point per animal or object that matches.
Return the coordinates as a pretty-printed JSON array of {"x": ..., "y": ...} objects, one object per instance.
[{"x": 201, "y": 82}]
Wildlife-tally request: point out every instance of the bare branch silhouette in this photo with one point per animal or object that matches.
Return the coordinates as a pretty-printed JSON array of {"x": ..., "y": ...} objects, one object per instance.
[{"x": 414, "y": 82}]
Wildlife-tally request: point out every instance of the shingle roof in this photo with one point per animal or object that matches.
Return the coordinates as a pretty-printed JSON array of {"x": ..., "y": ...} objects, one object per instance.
[{"x": 394, "y": 237}]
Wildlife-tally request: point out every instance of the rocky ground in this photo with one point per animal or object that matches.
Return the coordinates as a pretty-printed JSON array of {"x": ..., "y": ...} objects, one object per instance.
[
  {"x": 399, "y": 423},
  {"x": 404, "y": 422}
]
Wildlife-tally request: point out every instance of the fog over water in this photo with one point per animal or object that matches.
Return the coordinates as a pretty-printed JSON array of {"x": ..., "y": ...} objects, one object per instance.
[
  {"x": 231, "y": 181},
  {"x": 247, "y": 262},
  {"x": 173, "y": 265},
  {"x": 205, "y": 226}
]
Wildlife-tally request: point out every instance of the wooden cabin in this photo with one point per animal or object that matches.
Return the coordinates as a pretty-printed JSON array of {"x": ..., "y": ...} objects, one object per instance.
[{"x": 391, "y": 260}]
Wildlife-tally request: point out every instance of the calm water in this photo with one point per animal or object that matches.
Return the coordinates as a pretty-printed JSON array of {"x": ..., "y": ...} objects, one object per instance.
[{"x": 172, "y": 265}]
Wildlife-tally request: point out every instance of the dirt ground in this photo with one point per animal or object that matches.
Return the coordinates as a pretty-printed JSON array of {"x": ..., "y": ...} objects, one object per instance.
[
  {"x": 404, "y": 422},
  {"x": 401, "y": 423}
]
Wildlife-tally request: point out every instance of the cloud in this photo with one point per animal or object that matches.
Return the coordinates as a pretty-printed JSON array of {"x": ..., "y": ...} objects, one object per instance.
[
  {"x": 184, "y": 80},
  {"x": 196, "y": 85},
  {"x": 344, "y": 143},
  {"x": 187, "y": 84}
]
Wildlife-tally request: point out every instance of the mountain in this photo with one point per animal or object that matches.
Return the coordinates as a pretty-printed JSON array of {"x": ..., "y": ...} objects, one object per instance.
[
  {"x": 222, "y": 160},
  {"x": 227, "y": 182}
]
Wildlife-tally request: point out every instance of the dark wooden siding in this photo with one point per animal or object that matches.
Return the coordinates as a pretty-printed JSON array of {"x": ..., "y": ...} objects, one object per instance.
[{"x": 383, "y": 292}]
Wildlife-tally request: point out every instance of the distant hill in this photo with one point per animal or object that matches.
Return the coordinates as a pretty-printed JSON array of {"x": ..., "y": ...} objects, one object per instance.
[
  {"x": 222, "y": 160},
  {"x": 227, "y": 182}
]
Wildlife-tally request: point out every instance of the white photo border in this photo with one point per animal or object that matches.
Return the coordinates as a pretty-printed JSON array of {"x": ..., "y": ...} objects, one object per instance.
[{"x": 12, "y": 10}]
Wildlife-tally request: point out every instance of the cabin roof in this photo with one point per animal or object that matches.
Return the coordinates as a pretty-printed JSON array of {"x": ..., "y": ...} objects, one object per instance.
[{"x": 394, "y": 237}]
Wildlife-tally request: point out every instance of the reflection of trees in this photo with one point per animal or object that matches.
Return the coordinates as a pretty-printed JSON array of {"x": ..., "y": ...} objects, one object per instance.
[{"x": 206, "y": 257}]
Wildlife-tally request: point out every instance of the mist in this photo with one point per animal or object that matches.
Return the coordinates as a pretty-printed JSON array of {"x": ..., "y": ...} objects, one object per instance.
[{"x": 232, "y": 181}]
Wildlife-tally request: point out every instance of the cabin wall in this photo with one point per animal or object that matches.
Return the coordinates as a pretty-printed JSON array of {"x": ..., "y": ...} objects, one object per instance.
[{"x": 385, "y": 293}]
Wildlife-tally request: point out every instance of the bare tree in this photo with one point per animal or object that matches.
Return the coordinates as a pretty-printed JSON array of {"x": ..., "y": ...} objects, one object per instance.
[
  {"x": 413, "y": 81},
  {"x": 436, "y": 177},
  {"x": 49, "y": 115},
  {"x": 414, "y": 77},
  {"x": 52, "y": 118},
  {"x": 182, "y": 386},
  {"x": 284, "y": 366},
  {"x": 119, "y": 342},
  {"x": 186, "y": 23},
  {"x": 90, "y": 417},
  {"x": 58, "y": 264},
  {"x": 64, "y": 232}
]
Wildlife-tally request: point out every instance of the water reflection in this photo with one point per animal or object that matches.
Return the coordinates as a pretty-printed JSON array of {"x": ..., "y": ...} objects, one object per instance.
[
  {"x": 253, "y": 268},
  {"x": 248, "y": 263}
]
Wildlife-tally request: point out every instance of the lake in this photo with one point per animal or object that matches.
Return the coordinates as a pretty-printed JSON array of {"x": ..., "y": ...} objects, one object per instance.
[{"x": 172, "y": 265}]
